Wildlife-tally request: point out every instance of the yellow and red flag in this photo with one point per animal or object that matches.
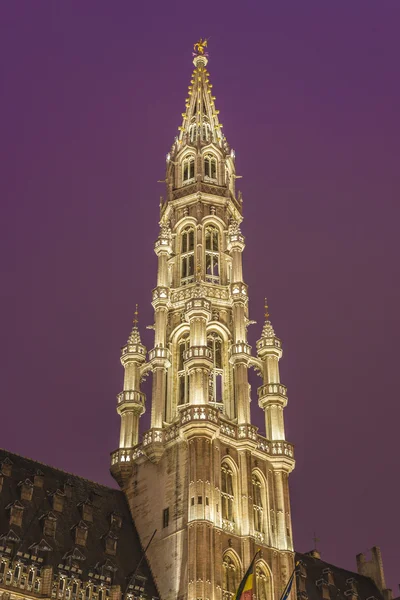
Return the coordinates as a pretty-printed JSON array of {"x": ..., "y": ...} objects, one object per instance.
[{"x": 245, "y": 589}]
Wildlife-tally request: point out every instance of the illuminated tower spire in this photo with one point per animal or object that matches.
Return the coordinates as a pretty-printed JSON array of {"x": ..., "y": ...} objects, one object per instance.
[{"x": 219, "y": 487}]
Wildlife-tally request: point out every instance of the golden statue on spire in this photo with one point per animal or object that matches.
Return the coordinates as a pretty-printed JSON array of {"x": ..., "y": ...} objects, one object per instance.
[
  {"x": 200, "y": 45},
  {"x": 266, "y": 314},
  {"x": 136, "y": 316}
]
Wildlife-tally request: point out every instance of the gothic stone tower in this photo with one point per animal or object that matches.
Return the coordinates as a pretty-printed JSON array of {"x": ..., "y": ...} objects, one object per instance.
[{"x": 214, "y": 489}]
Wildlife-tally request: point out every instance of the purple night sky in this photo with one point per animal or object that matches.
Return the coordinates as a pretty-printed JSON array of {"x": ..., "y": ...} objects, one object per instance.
[{"x": 309, "y": 92}]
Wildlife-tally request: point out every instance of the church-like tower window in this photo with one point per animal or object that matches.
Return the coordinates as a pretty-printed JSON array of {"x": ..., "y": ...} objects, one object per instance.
[
  {"x": 227, "y": 492},
  {"x": 231, "y": 577},
  {"x": 188, "y": 169},
  {"x": 193, "y": 132},
  {"x": 210, "y": 167},
  {"x": 258, "y": 508},
  {"x": 212, "y": 255},
  {"x": 183, "y": 378},
  {"x": 206, "y": 132},
  {"x": 214, "y": 342},
  {"x": 263, "y": 582},
  {"x": 187, "y": 256}
]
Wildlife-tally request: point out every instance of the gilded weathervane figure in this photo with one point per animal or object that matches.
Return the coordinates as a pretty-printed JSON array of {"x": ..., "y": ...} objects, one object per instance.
[{"x": 200, "y": 45}]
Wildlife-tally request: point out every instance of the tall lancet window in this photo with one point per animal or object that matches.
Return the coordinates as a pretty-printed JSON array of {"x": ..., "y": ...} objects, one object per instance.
[
  {"x": 193, "y": 132},
  {"x": 263, "y": 582},
  {"x": 183, "y": 378},
  {"x": 206, "y": 133},
  {"x": 214, "y": 342},
  {"x": 212, "y": 254},
  {"x": 188, "y": 169},
  {"x": 187, "y": 256},
  {"x": 227, "y": 492},
  {"x": 210, "y": 166},
  {"x": 258, "y": 508},
  {"x": 231, "y": 577}
]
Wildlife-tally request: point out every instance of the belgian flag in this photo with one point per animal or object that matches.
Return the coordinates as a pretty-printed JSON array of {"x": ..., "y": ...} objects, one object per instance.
[{"x": 245, "y": 589}]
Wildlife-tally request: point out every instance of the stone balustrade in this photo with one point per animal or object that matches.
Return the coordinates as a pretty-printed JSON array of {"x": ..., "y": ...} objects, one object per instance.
[
  {"x": 198, "y": 352},
  {"x": 131, "y": 396},
  {"x": 272, "y": 389}
]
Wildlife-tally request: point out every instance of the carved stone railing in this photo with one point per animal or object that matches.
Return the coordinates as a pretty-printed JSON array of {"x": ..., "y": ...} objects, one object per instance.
[
  {"x": 247, "y": 432},
  {"x": 205, "y": 290},
  {"x": 153, "y": 436},
  {"x": 126, "y": 455},
  {"x": 159, "y": 352},
  {"x": 199, "y": 413},
  {"x": 198, "y": 352},
  {"x": 272, "y": 389},
  {"x": 160, "y": 293},
  {"x": 273, "y": 342},
  {"x": 228, "y": 526},
  {"x": 238, "y": 290},
  {"x": 131, "y": 396}
]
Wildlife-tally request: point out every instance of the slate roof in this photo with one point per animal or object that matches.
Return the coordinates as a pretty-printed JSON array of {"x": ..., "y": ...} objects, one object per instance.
[
  {"x": 342, "y": 580},
  {"x": 75, "y": 492}
]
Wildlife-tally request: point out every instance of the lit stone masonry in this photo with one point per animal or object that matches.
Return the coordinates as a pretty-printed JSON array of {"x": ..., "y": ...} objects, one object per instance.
[{"x": 202, "y": 475}]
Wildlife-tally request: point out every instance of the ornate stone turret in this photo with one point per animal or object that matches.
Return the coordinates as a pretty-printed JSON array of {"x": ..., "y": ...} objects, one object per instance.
[
  {"x": 202, "y": 470},
  {"x": 131, "y": 401},
  {"x": 272, "y": 396}
]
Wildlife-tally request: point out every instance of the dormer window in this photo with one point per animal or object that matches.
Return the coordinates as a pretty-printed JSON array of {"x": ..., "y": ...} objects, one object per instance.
[
  {"x": 111, "y": 543},
  {"x": 6, "y": 467},
  {"x": 81, "y": 532},
  {"x": 87, "y": 510},
  {"x": 210, "y": 167},
  {"x": 16, "y": 513},
  {"x": 26, "y": 489},
  {"x": 188, "y": 169},
  {"x": 38, "y": 479},
  {"x": 116, "y": 520},
  {"x": 58, "y": 500},
  {"x": 49, "y": 524}
]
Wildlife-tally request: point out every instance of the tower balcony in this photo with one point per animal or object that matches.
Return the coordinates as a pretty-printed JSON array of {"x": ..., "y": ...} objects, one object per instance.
[
  {"x": 239, "y": 351},
  {"x": 198, "y": 352},
  {"x": 270, "y": 345},
  {"x": 160, "y": 294},
  {"x": 198, "y": 307},
  {"x": 272, "y": 392},
  {"x": 235, "y": 240},
  {"x": 133, "y": 353},
  {"x": 131, "y": 399},
  {"x": 163, "y": 244},
  {"x": 160, "y": 357},
  {"x": 239, "y": 291}
]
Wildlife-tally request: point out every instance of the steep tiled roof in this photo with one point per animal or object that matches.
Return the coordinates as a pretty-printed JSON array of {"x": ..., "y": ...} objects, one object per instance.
[
  {"x": 340, "y": 584},
  {"x": 100, "y": 511}
]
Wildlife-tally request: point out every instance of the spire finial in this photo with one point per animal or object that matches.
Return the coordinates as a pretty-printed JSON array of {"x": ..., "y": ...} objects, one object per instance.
[
  {"x": 266, "y": 314},
  {"x": 136, "y": 316},
  {"x": 200, "y": 45}
]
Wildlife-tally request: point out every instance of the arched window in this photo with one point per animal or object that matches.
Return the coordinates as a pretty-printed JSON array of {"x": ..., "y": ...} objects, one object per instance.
[
  {"x": 193, "y": 132},
  {"x": 187, "y": 256},
  {"x": 263, "y": 582},
  {"x": 214, "y": 342},
  {"x": 206, "y": 133},
  {"x": 210, "y": 166},
  {"x": 227, "y": 494},
  {"x": 188, "y": 169},
  {"x": 183, "y": 378},
  {"x": 258, "y": 505},
  {"x": 212, "y": 254},
  {"x": 230, "y": 577}
]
